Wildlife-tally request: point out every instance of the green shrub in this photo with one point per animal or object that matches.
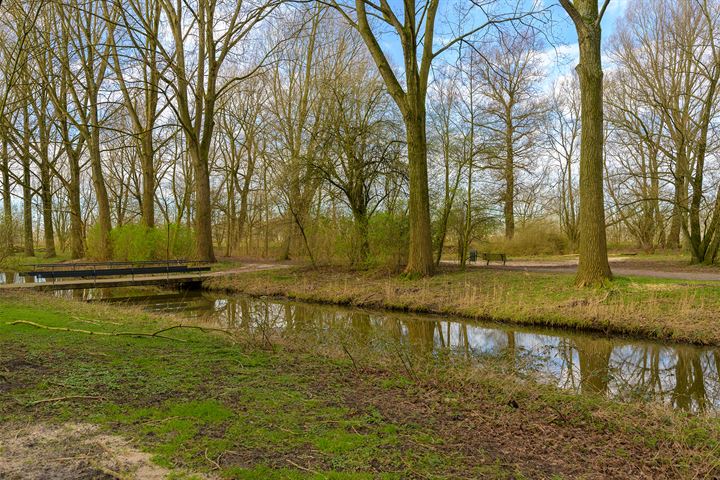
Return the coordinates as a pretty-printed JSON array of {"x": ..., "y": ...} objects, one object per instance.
[
  {"x": 92, "y": 239},
  {"x": 388, "y": 240}
]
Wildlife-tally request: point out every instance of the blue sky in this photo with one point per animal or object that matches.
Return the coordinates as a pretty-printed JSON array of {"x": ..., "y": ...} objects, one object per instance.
[{"x": 565, "y": 40}]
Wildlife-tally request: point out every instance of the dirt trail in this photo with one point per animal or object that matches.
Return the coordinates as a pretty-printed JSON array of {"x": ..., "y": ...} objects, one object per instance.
[{"x": 675, "y": 270}]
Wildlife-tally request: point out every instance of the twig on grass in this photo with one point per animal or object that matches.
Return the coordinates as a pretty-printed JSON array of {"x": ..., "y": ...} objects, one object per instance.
[
  {"x": 305, "y": 468},
  {"x": 214, "y": 462},
  {"x": 62, "y": 399},
  {"x": 347, "y": 352},
  {"x": 156, "y": 334}
]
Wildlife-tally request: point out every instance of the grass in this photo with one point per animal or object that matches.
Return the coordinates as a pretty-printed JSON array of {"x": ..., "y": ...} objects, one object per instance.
[
  {"x": 245, "y": 410},
  {"x": 674, "y": 310}
]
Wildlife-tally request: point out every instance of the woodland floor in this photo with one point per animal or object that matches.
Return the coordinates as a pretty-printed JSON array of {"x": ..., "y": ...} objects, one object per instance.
[{"x": 207, "y": 405}]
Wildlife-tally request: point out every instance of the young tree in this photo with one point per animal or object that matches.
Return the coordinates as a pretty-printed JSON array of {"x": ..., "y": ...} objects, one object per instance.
[
  {"x": 594, "y": 267},
  {"x": 563, "y": 138},
  {"x": 361, "y": 135}
]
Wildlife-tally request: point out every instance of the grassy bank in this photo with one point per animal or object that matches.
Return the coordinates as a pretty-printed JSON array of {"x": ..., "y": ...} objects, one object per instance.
[
  {"x": 208, "y": 405},
  {"x": 655, "y": 308}
]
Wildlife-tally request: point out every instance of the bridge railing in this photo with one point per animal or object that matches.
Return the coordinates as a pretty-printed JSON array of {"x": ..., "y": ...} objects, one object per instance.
[{"x": 96, "y": 270}]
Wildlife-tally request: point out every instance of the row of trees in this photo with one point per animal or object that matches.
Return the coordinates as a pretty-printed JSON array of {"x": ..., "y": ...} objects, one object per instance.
[{"x": 273, "y": 128}]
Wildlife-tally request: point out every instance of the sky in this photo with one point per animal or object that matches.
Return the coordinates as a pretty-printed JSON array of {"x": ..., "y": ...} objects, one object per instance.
[{"x": 561, "y": 56}]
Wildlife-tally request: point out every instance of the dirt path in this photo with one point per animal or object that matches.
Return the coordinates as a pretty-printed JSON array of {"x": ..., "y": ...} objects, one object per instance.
[{"x": 620, "y": 266}]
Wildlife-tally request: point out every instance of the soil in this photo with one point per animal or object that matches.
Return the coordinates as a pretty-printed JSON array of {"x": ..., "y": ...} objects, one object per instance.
[{"x": 71, "y": 451}]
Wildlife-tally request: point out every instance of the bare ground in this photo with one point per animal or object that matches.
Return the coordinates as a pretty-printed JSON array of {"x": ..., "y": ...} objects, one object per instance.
[{"x": 71, "y": 451}]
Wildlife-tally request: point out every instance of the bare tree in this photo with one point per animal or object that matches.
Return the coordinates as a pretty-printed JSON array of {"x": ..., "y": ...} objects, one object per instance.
[
  {"x": 414, "y": 26},
  {"x": 510, "y": 73}
]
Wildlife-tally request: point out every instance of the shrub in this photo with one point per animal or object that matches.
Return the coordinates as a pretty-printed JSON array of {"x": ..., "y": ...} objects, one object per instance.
[
  {"x": 534, "y": 238},
  {"x": 137, "y": 243},
  {"x": 388, "y": 240}
]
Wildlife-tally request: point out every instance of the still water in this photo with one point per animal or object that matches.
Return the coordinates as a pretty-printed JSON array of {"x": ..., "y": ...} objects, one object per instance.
[{"x": 686, "y": 377}]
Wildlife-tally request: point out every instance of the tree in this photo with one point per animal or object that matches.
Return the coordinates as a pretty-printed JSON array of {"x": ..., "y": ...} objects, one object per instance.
[
  {"x": 414, "y": 27},
  {"x": 594, "y": 267},
  {"x": 510, "y": 74},
  {"x": 671, "y": 53},
  {"x": 363, "y": 142},
  {"x": 83, "y": 38},
  {"x": 140, "y": 93},
  {"x": 563, "y": 141},
  {"x": 197, "y": 83}
]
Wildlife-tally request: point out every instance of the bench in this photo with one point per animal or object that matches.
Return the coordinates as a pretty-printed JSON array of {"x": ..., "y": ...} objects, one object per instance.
[
  {"x": 500, "y": 257},
  {"x": 56, "y": 271}
]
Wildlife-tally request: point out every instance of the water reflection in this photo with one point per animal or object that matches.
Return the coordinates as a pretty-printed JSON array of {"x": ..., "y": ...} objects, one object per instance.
[{"x": 683, "y": 376}]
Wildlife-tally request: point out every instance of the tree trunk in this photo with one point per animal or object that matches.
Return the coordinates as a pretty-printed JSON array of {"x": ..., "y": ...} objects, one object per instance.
[
  {"x": 27, "y": 210},
  {"x": 203, "y": 210},
  {"x": 6, "y": 194},
  {"x": 679, "y": 203},
  {"x": 593, "y": 267},
  {"x": 509, "y": 196},
  {"x": 77, "y": 244},
  {"x": 242, "y": 216},
  {"x": 26, "y": 188},
  {"x": 361, "y": 243},
  {"x": 46, "y": 194},
  {"x": 420, "y": 257},
  {"x": 148, "y": 181},
  {"x": 101, "y": 195}
]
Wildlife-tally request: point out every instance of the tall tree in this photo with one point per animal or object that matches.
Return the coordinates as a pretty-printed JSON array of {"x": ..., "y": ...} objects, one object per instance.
[
  {"x": 140, "y": 92},
  {"x": 594, "y": 267},
  {"x": 198, "y": 82},
  {"x": 510, "y": 74},
  {"x": 414, "y": 26}
]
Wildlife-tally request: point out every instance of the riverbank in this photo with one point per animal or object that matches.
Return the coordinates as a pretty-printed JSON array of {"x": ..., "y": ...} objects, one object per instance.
[
  {"x": 136, "y": 397},
  {"x": 664, "y": 309}
]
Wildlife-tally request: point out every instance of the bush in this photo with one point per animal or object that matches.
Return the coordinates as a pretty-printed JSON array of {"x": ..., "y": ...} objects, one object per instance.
[
  {"x": 137, "y": 243},
  {"x": 535, "y": 238},
  {"x": 388, "y": 235}
]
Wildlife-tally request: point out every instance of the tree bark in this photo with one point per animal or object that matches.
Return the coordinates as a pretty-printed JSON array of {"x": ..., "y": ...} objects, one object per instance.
[
  {"x": 509, "y": 197},
  {"x": 6, "y": 195},
  {"x": 27, "y": 188},
  {"x": 420, "y": 258},
  {"x": 593, "y": 267}
]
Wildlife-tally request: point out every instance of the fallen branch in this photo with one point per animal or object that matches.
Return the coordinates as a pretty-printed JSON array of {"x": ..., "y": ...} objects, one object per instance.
[
  {"x": 62, "y": 399},
  {"x": 198, "y": 327},
  {"x": 157, "y": 334},
  {"x": 103, "y": 334}
]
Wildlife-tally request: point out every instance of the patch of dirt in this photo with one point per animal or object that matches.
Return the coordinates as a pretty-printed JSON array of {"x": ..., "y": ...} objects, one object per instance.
[{"x": 71, "y": 451}]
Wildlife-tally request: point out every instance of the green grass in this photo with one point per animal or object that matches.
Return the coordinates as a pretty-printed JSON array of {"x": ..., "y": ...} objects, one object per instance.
[{"x": 207, "y": 405}]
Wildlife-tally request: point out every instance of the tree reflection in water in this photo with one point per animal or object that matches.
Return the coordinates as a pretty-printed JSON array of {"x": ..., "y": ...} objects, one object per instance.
[{"x": 683, "y": 376}]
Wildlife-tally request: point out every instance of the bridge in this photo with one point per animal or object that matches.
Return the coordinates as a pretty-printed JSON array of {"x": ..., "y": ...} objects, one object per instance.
[{"x": 174, "y": 274}]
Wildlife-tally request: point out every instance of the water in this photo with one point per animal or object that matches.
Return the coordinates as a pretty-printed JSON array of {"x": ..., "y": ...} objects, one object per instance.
[{"x": 686, "y": 377}]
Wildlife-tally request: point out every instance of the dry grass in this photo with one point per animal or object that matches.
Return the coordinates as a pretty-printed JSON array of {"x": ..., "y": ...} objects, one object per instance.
[{"x": 654, "y": 308}]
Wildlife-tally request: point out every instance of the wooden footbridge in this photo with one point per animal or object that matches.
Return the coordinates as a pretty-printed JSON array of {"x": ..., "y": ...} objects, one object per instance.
[{"x": 182, "y": 274}]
